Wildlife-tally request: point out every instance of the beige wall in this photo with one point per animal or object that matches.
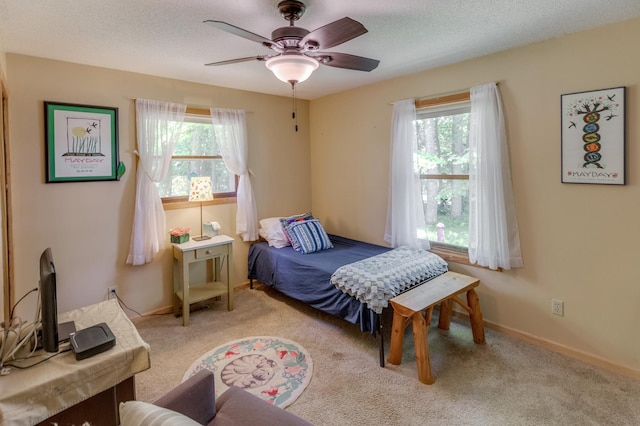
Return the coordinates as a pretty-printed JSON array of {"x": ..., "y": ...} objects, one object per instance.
[
  {"x": 88, "y": 225},
  {"x": 579, "y": 242},
  {"x": 3, "y": 58},
  {"x": 3, "y": 220}
]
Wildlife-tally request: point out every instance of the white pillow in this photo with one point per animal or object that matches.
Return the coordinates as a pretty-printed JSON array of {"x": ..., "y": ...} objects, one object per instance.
[
  {"x": 267, "y": 222},
  {"x": 138, "y": 413},
  {"x": 271, "y": 230}
]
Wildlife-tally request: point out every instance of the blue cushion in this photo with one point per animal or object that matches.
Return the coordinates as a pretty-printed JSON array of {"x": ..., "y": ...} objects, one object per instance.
[
  {"x": 286, "y": 221},
  {"x": 308, "y": 236}
]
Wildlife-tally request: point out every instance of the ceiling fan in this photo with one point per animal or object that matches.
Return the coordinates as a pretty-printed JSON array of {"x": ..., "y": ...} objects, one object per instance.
[{"x": 298, "y": 50}]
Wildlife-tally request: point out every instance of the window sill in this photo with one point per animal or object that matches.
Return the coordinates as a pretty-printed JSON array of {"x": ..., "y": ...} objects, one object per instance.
[
  {"x": 456, "y": 257},
  {"x": 175, "y": 205}
]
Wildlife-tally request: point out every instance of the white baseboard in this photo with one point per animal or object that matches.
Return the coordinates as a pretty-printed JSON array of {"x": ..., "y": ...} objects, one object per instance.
[
  {"x": 556, "y": 347},
  {"x": 169, "y": 309}
]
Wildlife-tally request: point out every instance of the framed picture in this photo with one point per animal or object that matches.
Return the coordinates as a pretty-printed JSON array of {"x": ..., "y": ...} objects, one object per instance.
[
  {"x": 81, "y": 142},
  {"x": 593, "y": 137}
]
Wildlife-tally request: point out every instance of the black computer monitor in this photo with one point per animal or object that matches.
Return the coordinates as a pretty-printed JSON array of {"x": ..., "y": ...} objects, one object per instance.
[{"x": 50, "y": 336}]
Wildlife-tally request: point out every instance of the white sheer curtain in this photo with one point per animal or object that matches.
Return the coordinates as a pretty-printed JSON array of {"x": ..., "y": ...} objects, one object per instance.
[
  {"x": 405, "y": 214},
  {"x": 231, "y": 132},
  {"x": 158, "y": 127},
  {"x": 494, "y": 240}
]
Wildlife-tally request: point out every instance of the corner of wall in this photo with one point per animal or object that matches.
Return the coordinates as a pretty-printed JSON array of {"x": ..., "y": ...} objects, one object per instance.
[
  {"x": 3, "y": 62},
  {"x": 3, "y": 59}
]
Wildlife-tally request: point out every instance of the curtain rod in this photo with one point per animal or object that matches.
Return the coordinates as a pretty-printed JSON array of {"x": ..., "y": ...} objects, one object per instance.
[
  {"x": 453, "y": 93},
  {"x": 160, "y": 100},
  {"x": 204, "y": 110}
]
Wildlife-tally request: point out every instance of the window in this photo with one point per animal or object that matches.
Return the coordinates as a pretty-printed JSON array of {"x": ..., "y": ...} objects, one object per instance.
[
  {"x": 197, "y": 153},
  {"x": 443, "y": 161}
]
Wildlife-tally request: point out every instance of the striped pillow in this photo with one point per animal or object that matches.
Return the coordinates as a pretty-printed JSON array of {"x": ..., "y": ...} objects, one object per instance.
[
  {"x": 286, "y": 221},
  {"x": 308, "y": 236},
  {"x": 138, "y": 413}
]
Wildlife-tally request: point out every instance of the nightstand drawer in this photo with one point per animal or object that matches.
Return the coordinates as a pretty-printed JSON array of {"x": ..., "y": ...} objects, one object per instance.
[{"x": 207, "y": 252}]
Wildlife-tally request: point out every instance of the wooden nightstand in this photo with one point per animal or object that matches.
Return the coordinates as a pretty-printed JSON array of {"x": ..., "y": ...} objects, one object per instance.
[{"x": 218, "y": 250}]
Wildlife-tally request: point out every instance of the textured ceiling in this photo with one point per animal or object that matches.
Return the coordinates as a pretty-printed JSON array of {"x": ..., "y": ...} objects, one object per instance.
[{"x": 168, "y": 38}]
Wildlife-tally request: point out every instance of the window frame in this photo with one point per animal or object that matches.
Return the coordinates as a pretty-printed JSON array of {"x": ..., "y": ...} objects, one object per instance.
[
  {"x": 448, "y": 252},
  {"x": 181, "y": 202}
]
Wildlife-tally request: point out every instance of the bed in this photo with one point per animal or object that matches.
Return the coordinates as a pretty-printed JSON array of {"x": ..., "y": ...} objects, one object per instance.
[{"x": 308, "y": 277}]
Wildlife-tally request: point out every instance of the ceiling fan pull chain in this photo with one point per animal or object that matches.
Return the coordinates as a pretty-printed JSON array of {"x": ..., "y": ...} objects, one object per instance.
[{"x": 293, "y": 96}]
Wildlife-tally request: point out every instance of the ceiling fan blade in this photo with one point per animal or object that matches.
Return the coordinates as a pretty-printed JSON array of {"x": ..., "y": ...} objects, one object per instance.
[
  {"x": 240, "y": 32},
  {"x": 235, "y": 61},
  {"x": 333, "y": 34},
  {"x": 344, "y": 60}
]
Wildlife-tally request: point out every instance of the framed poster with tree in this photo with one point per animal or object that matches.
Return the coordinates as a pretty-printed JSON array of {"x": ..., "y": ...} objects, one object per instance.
[
  {"x": 81, "y": 142},
  {"x": 593, "y": 137}
]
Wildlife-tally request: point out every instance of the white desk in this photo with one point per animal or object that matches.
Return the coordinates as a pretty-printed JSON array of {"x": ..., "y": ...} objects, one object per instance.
[
  {"x": 217, "y": 250},
  {"x": 66, "y": 391}
]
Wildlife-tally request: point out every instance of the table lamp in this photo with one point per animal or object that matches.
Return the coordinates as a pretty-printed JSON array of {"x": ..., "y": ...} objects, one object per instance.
[{"x": 201, "y": 190}]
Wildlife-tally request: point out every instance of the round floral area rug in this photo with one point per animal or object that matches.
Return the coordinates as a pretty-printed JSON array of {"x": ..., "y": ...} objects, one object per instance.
[{"x": 272, "y": 368}]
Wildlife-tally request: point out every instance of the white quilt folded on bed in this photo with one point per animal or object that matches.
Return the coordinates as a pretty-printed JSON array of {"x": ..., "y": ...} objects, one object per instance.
[{"x": 378, "y": 279}]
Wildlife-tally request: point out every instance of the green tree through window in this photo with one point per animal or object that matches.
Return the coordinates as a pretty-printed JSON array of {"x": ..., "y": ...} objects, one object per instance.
[
  {"x": 443, "y": 162},
  {"x": 196, "y": 153}
]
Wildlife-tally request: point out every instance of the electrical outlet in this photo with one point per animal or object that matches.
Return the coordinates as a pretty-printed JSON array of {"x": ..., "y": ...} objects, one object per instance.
[
  {"x": 557, "y": 307},
  {"x": 112, "y": 293}
]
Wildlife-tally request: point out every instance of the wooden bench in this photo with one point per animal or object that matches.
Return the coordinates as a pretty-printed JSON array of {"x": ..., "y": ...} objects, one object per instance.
[{"x": 416, "y": 306}]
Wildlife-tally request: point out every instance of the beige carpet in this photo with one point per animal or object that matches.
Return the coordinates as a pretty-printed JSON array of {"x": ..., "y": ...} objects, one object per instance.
[{"x": 505, "y": 382}]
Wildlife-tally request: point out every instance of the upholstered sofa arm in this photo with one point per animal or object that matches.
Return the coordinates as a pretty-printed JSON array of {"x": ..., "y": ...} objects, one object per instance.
[
  {"x": 237, "y": 407},
  {"x": 195, "y": 398}
]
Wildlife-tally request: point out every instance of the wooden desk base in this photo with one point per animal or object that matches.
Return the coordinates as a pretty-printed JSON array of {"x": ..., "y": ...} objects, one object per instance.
[
  {"x": 416, "y": 306},
  {"x": 100, "y": 409},
  {"x": 51, "y": 391}
]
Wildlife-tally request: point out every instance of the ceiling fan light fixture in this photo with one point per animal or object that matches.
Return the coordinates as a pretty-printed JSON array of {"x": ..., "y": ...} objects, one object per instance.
[{"x": 292, "y": 68}]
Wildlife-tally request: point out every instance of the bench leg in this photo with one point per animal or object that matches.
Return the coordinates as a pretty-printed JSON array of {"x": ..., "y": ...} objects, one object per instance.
[
  {"x": 420, "y": 342},
  {"x": 445, "y": 314},
  {"x": 475, "y": 316},
  {"x": 397, "y": 338},
  {"x": 427, "y": 316},
  {"x": 381, "y": 343}
]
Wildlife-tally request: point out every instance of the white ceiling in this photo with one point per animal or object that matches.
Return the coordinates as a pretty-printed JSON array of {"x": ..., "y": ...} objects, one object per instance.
[{"x": 168, "y": 38}]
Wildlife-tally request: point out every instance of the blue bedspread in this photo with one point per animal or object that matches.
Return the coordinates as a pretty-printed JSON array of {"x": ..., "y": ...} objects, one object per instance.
[{"x": 307, "y": 277}]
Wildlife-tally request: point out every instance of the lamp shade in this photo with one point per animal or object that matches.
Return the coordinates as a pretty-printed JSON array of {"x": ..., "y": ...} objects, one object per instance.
[
  {"x": 292, "y": 68},
  {"x": 201, "y": 189}
]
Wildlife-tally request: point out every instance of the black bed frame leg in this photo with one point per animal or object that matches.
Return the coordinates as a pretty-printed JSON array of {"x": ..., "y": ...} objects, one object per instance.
[
  {"x": 251, "y": 283},
  {"x": 381, "y": 342}
]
